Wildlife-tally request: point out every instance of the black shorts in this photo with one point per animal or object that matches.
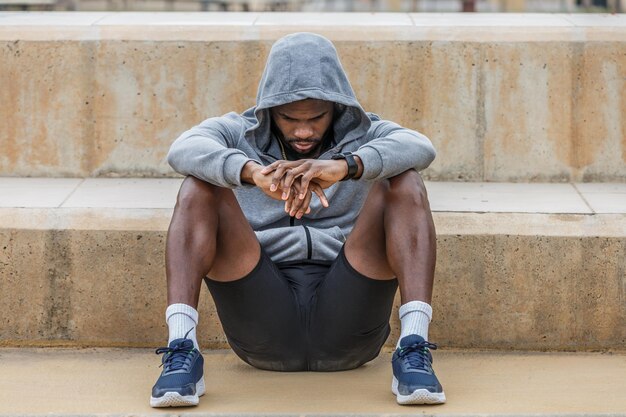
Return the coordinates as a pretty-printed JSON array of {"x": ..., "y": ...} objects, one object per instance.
[{"x": 305, "y": 316}]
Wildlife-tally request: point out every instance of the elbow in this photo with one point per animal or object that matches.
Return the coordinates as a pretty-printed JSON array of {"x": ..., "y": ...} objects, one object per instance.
[
  {"x": 431, "y": 154},
  {"x": 173, "y": 157},
  {"x": 425, "y": 151},
  {"x": 425, "y": 155}
]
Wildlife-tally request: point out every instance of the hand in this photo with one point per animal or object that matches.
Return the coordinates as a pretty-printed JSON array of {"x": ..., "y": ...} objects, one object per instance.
[
  {"x": 324, "y": 172},
  {"x": 264, "y": 182},
  {"x": 252, "y": 173},
  {"x": 298, "y": 207}
]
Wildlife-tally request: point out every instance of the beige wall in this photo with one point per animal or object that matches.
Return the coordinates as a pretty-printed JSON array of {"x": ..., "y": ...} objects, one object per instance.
[
  {"x": 503, "y": 281},
  {"x": 503, "y": 98}
]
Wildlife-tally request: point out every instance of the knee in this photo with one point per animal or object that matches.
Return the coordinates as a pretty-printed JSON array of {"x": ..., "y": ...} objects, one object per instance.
[
  {"x": 408, "y": 187},
  {"x": 195, "y": 193}
]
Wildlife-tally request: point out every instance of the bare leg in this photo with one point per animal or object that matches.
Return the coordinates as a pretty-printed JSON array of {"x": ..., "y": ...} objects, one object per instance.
[
  {"x": 394, "y": 236},
  {"x": 208, "y": 235}
]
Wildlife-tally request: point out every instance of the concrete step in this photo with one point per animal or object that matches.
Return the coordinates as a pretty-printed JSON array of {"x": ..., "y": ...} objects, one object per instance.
[
  {"x": 520, "y": 266},
  {"x": 504, "y": 97},
  {"x": 117, "y": 382}
]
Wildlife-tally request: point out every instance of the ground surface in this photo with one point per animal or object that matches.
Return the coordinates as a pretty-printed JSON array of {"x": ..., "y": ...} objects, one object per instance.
[{"x": 118, "y": 381}]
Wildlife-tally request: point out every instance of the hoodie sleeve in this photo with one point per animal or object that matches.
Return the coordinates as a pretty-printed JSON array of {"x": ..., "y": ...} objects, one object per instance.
[
  {"x": 393, "y": 150},
  {"x": 209, "y": 152}
]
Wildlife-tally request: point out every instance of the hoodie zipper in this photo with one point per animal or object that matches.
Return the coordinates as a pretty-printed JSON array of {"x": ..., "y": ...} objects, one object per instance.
[{"x": 309, "y": 244}]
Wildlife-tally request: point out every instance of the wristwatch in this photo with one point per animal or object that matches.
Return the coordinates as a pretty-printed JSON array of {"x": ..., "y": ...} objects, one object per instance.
[{"x": 353, "y": 168}]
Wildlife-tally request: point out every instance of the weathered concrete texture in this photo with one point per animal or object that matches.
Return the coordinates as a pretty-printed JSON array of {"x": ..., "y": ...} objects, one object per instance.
[
  {"x": 117, "y": 382},
  {"x": 152, "y": 92},
  {"x": 599, "y": 125},
  {"x": 91, "y": 288},
  {"x": 120, "y": 115},
  {"x": 554, "y": 111},
  {"x": 528, "y": 100},
  {"x": 542, "y": 100},
  {"x": 45, "y": 107},
  {"x": 410, "y": 90},
  {"x": 495, "y": 288},
  {"x": 529, "y": 292}
]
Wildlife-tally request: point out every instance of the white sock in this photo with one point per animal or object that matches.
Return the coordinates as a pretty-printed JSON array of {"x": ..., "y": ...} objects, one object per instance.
[
  {"x": 415, "y": 317},
  {"x": 182, "y": 320}
]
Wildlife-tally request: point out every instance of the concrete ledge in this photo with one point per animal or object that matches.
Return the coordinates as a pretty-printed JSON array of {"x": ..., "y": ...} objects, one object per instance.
[
  {"x": 95, "y": 276},
  {"x": 149, "y": 193},
  {"x": 503, "y": 97},
  {"x": 254, "y": 26},
  {"x": 88, "y": 383}
]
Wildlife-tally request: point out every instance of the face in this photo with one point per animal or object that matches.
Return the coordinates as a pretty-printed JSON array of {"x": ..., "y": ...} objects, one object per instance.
[{"x": 303, "y": 125}]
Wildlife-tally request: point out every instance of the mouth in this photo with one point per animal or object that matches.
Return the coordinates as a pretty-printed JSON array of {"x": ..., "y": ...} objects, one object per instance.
[{"x": 302, "y": 145}]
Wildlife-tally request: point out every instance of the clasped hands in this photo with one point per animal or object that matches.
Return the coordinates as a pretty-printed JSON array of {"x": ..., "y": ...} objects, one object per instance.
[{"x": 295, "y": 182}]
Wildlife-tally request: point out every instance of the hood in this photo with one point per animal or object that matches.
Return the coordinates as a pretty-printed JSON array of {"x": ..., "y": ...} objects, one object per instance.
[{"x": 301, "y": 66}]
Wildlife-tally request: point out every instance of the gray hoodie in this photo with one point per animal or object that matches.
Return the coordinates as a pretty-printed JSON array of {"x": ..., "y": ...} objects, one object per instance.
[{"x": 300, "y": 66}]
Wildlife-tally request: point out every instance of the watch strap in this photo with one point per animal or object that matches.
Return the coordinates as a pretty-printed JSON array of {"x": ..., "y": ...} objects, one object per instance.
[{"x": 353, "y": 167}]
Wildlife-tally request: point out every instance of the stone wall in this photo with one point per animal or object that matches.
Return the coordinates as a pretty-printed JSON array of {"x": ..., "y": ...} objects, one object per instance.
[
  {"x": 89, "y": 277},
  {"x": 503, "y": 97}
]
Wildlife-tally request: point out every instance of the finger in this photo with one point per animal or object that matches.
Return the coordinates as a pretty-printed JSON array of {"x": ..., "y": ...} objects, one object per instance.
[
  {"x": 291, "y": 202},
  {"x": 317, "y": 189},
  {"x": 285, "y": 185},
  {"x": 276, "y": 178},
  {"x": 296, "y": 203},
  {"x": 280, "y": 164},
  {"x": 297, "y": 191},
  {"x": 298, "y": 207},
  {"x": 304, "y": 181},
  {"x": 286, "y": 190},
  {"x": 288, "y": 205},
  {"x": 305, "y": 207},
  {"x": 297, "y": 186},
  {"x": 271, "y": 167},
  {"x": 289, "y": 178}
]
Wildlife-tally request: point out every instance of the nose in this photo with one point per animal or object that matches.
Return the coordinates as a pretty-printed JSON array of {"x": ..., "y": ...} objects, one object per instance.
[{"x": 303, "y": 132}]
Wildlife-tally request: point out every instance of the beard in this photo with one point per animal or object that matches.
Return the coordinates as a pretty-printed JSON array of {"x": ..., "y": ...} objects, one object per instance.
[{"x": 308, "y": 153}]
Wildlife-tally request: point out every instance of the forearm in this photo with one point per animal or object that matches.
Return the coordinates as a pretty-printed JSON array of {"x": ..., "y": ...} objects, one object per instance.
[
  {"x": 207, "y": 160},
  {"x": 248, "y": 171},
  {"x": 389, "y": 156},
  {"x": 211, "y": 152}
]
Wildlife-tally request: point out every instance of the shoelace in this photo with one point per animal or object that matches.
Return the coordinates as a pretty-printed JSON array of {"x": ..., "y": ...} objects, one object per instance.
[
  {"x": 420, "y": 359},
  {"x": 177, "y": 357}
]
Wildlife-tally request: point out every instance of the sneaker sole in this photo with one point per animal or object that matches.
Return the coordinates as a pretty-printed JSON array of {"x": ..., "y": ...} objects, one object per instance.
[
  {"x": 420, "y": 396},
  {"x": 174, "y": 399}
]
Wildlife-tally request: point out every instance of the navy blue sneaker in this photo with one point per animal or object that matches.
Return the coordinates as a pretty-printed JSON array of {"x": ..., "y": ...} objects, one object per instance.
[
  {"x": 181, "y": 382},
  {"x": 414, "y": 381}
]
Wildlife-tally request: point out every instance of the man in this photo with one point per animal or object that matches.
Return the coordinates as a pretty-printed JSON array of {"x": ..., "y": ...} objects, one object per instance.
[{"x": 303, "y": 215}]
